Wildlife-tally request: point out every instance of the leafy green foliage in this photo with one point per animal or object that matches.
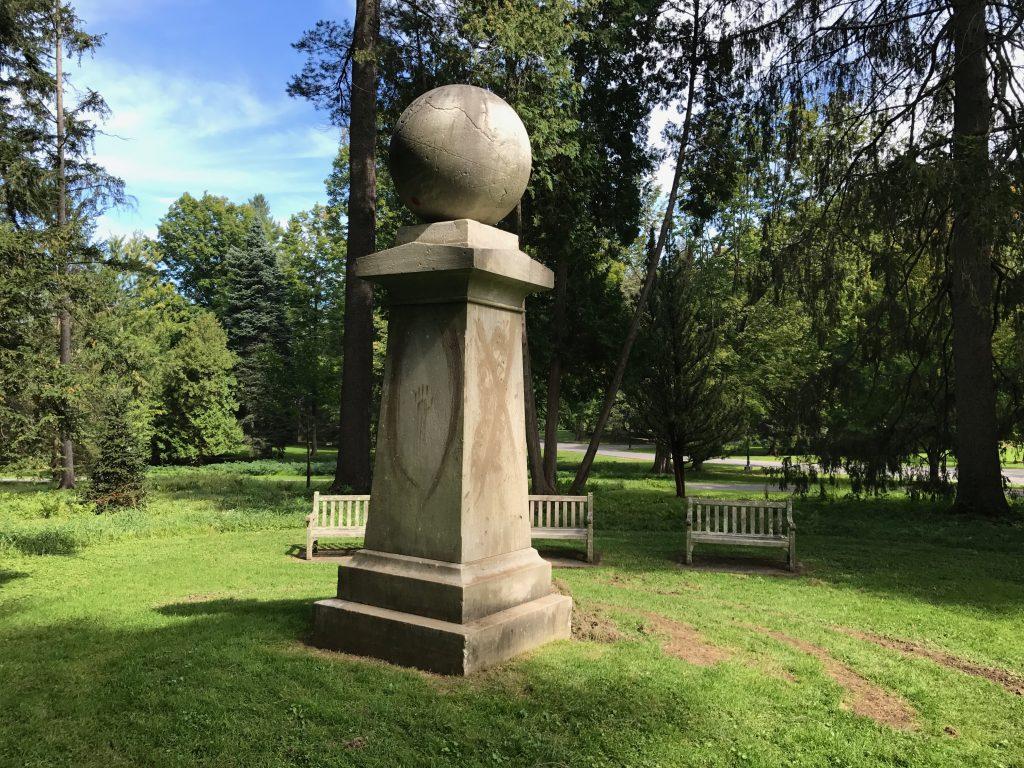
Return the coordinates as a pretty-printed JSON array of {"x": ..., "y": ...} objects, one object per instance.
[{"x": 196, "y": 420}]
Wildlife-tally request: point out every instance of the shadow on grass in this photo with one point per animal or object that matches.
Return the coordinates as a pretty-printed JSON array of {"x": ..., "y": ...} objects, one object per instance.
[
  {"x": 53, "y": 541},
  {"x": 8, "y": 576},
  {"x": 231, "y": 682}
]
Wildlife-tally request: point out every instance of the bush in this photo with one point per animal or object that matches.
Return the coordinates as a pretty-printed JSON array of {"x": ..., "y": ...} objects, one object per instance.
[{"x": 118, "y": 477}]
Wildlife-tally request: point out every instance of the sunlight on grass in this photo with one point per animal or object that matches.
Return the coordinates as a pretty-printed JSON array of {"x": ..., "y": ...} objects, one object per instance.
[{"x": 175, "y": 635}]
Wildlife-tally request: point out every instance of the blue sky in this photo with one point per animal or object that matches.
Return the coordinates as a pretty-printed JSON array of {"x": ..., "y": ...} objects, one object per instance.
[{"x": 197, "y": 91}]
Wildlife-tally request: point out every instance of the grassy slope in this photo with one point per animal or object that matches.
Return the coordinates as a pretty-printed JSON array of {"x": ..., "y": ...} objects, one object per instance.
[{"x": 175, "y": 637}]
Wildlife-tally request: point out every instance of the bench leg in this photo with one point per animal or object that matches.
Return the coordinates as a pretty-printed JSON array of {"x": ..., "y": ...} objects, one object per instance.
[
  {"x": 590, "y": 548},
  {"x": 689, "y": 548},
  {"x": 792, "y": 551},
  {"x": 309, "y": 545}
]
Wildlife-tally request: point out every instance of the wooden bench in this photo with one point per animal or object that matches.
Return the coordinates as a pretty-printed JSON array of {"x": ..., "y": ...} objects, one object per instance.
[
  {"x": 563, "y": 517},
  {"x": 335, "y": 516},
  {"x": 551, "y": 517},
  {"x": 742, "y": 523}
]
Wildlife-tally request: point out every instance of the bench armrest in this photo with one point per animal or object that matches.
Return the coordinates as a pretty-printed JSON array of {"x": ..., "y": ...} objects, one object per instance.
[{"x": 309, "y": 518}]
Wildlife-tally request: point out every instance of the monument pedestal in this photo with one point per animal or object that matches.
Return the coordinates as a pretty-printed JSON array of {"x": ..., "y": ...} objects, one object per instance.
[{"x": 448, "y": 581}]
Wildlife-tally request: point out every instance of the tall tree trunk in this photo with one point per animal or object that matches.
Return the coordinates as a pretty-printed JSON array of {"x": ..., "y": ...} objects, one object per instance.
[
  {"x": 979, "y": 480},
  {"x": 555, "y": 372},
  {"x": 67, "y": 475},
  {"x": 538, "y": 482},
  {"x": 654, "y": 255},
  {"x": 353, "y": 467}
]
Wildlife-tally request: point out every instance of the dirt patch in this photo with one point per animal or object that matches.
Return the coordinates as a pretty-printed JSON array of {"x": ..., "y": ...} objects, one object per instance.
[
  {"x": 593, "y": 625},
  {"x": 684, "y": 642},
  {"x": 1011, "y": 682},
  {"x": 864, "y": 697}
]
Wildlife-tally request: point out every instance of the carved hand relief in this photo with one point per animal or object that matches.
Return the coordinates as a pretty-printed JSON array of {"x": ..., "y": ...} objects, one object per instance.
[{"x": 425, "y": 401}]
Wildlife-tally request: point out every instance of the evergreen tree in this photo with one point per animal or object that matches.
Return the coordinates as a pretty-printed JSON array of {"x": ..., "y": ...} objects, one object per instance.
[
  {"x": 196, "y": 418},
  {"x": 256, "y": 324},
  {"x": 118, "y": 475}
]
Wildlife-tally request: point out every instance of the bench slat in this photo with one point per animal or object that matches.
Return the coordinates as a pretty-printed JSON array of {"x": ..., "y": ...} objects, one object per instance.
[{"x": 732, "y": 538}]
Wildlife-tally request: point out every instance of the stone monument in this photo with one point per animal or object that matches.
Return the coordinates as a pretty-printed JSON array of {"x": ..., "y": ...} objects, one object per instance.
[{"x": 448, "y": 581}]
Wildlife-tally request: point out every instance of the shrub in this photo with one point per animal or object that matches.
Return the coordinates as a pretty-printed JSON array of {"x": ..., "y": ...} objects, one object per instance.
[{"x": 119, "y": 472}]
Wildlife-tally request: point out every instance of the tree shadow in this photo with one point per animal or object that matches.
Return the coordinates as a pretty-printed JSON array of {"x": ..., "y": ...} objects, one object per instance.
[
  {"x": 8, "y": 576},
  {"x": 52, "y": 541},
  {"x": 231, "y": 681}
]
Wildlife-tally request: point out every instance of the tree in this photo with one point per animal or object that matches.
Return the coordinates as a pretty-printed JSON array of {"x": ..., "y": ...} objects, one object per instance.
[
  {"x": 256, "y": 324},
  {"x": 313, "y": 258},
  {"x": 702, "y": 73},
  {"x": 196, "y": 417},
  {"x": 118, "y": 475},
  {"x": 341, "y": 75},
  {"x": 49, "y": 180},
  {"x": 680, "y": 387},
  {"x": 936, "y": 82},
  {"x": 195, "y": 237}
]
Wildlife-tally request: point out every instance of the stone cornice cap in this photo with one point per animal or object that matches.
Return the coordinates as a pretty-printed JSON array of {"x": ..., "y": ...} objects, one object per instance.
[{"x": 429, "y": 253}]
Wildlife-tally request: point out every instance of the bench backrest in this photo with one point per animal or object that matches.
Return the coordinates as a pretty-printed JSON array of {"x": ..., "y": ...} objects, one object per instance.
[
  {"x": 340, "y": 511},
  {"x": 545, "y": 511},
  {"x": 561, "y": 511},
  {"x": 742, "y": 518}
]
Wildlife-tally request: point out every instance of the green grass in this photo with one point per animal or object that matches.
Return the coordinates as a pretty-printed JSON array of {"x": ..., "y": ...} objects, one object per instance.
[{"x": 175, "y": 636}]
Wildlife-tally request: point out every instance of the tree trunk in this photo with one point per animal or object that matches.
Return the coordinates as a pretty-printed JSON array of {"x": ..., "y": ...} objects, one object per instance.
[
  {"x": 654, "y": 255},
  {"x": 353, "y": 467},
  {"x": 979, "y": 479},
  {"x": 679, "y": 469},
  {"x": 555, "y": 372},
  {"x": 67, "y": 475},
  {"x": 933, "y": 469},
  {"x": 309, "y": 457},
  {"x": 538, "y": 482},
  {"x": 661, "y": 459}
]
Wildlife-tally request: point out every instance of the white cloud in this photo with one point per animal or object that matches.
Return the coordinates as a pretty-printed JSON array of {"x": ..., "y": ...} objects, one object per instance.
[{"x": 169, "y": 134}]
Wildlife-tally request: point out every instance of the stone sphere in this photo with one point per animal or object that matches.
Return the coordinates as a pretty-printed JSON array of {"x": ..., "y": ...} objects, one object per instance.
[{"x": 460, "y": 152}]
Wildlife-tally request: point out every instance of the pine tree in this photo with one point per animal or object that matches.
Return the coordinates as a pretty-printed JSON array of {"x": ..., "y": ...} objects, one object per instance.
[
  {"x": 256, "y": 323},
  {"x": 196, "y": 420},
  {"x": 119, "y": 473}
]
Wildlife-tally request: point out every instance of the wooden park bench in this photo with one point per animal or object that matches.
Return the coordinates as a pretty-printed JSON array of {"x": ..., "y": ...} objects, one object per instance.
[
  {"x": 563, "y": 517},
  {"x": 741, "y": 523},
  {"x": 551, "y": 517}
]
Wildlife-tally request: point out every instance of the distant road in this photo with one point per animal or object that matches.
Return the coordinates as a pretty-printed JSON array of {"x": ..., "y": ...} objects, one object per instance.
[{"x": 1016, "y": 476}]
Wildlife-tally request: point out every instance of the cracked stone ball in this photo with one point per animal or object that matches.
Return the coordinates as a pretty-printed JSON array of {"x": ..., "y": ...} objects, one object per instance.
[{"x": 460, "y": 152}]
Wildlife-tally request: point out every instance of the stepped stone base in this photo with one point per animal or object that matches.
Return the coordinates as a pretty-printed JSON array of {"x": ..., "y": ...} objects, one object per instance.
[{"x": 445, "y": 647}]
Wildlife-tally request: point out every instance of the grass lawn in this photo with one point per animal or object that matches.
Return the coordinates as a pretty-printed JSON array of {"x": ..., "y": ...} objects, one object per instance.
[{"x": 176, "y": 636}]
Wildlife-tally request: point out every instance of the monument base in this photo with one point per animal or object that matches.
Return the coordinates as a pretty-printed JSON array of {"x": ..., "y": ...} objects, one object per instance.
[{"x": 434, "y": 645}]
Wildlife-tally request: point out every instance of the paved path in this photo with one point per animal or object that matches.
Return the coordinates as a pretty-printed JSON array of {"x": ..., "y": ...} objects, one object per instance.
[{"x": 1015, "y": 476}]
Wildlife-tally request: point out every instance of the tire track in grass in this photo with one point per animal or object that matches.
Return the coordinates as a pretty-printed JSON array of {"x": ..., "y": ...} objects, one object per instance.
[
  {"x": 1008, "y": 680},
  {"x": 863, "y": 697}
]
